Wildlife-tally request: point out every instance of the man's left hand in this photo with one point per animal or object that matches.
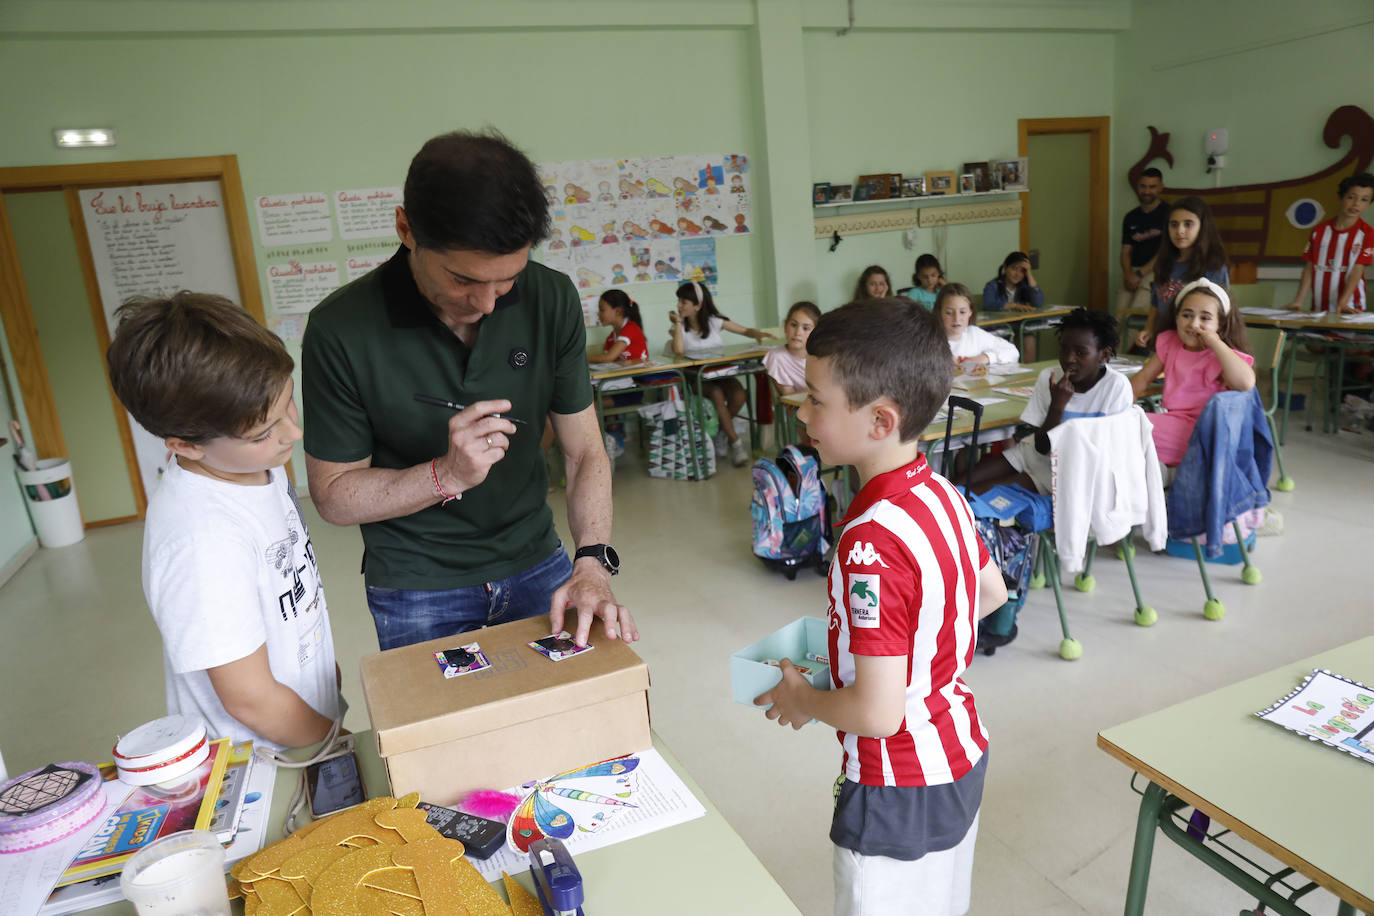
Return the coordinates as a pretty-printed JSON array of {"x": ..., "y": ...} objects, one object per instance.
[{"x": 589, "y": 593}]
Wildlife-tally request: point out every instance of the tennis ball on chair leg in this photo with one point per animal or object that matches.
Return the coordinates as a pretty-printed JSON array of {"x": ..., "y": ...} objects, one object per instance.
[
  {"x": 1146, "y": 616},
  {"x": 1213, "y": 609},
  {"x": 1285, "y": 484},
  {"x": 1084, "y": 582},
  {"x": 1250, "y": 575},
  {"x": 1037, "y": 580},
  {"x": 1070, "y": 649}
]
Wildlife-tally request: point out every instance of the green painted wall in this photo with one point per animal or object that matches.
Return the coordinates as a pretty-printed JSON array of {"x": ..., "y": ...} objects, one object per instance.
[
  {"x": 71, "y": 350},
  {"x": 913, "y": 101}
]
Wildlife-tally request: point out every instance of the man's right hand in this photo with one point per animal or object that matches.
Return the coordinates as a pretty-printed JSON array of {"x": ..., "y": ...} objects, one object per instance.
[
  {"x": 1142, "y": 339},
  {"x": 1131, "y": 280},
  {"x": 476, "y": 441}
]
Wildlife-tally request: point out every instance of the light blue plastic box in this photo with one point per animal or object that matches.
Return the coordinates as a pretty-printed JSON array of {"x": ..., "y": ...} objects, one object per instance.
[{"x": 749, "y": 676}]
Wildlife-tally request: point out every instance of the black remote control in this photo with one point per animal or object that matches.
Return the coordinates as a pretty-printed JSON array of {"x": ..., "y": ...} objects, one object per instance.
[{"x": 480, "y": 837}]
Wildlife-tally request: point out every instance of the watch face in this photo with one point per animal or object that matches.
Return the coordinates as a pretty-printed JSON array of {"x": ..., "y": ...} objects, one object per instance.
[{"x": 612, "y": 557}]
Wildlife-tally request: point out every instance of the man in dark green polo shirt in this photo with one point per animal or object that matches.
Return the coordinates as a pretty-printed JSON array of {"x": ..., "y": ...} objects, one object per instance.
[{"x": 456, "y": 527}]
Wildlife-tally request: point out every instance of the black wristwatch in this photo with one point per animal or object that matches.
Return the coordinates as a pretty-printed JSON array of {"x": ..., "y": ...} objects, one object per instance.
[{"x": 603, "y": 553}]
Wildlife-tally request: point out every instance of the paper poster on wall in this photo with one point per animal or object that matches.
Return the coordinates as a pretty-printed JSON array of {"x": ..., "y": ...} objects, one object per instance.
[
  {"x": 699, "y": 260},
  {"x": 296, "y": 287},
  {"x": 367, "y": 213},
  {"x": 293, "y": 219},
  {"x": 157, "y": 239},
  {"x": 357, "y": 265},
  {"x": 619, "y": 221}
]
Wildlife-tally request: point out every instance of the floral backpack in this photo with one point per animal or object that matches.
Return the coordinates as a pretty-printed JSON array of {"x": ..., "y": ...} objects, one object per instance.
[{"x": 789, "y": 510}]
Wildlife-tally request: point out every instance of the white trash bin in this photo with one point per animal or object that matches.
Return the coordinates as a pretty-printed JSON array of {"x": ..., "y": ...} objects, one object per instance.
[{"x": 50, "y": 495}]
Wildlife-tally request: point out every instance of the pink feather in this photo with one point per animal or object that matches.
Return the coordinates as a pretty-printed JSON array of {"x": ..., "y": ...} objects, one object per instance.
[{"x": 496, "y": 806}]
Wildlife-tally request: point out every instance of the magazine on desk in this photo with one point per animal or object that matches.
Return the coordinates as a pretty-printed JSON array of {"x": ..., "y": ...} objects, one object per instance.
[{"x": 1331, "y": 709}]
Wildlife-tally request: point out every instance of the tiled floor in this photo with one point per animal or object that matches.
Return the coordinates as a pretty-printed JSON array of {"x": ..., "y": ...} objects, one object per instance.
[{"x": 81, "y": 660}]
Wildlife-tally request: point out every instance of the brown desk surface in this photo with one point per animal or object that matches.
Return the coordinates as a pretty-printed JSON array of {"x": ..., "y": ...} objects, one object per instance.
[{"x": 1010, "y": 316}]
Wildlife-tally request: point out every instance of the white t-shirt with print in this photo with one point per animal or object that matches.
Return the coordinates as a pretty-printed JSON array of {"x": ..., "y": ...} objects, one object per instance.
[
  {"x": 226, "y": 569},
  {"x": 1111, "y": 395}
]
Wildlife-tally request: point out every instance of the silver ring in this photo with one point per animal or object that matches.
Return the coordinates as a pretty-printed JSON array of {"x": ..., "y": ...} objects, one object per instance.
[{"x": 489, "y": 445}]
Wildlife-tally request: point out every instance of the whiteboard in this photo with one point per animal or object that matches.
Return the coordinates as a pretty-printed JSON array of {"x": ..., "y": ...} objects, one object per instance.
[{"x": 154, "y": 240}]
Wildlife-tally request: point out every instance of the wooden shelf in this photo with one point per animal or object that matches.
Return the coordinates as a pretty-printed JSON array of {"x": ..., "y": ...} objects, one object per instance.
[{"x": 921, "y": 201}]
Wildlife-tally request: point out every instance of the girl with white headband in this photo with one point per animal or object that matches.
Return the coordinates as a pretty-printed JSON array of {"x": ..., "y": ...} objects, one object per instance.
[
  {"x": 696, "y": 331},
  {"x": 1203, "y": 354}
]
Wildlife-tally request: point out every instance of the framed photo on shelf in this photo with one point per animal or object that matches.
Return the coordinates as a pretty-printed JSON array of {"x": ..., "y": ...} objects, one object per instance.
[
  {"x": 864, "y": 191},
  {"x": 894, "y": 184},
  {"x": 981, "y": 175},
  {"x": 940, "y": 182},
  {"x": 913, "y": 187},
  {"x": 820, "y": 193},
  {"x": 968, "y": 183},
  {"x": 1013, "y": 174},
  {"x": 878, "y": 187},
  {"x": 841, "y": 193}
]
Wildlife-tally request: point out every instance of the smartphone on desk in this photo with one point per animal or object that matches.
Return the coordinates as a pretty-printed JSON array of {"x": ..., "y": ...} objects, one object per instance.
[{"x": 334, "y": 784}]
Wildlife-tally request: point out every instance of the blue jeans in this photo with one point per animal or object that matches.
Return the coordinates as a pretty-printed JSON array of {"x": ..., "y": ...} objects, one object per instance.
[{"x": 407, "y": 616}]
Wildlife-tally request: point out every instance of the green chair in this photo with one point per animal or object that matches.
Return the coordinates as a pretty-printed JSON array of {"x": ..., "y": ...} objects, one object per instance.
[{"x": 1285, "y": 483}]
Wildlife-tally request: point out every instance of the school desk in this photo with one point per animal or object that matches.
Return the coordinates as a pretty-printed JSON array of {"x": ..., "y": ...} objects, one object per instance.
[
  {"x": 1017, "y": 320},
  {"x": 1305, "y": 804},
  {"x": 1336, "y": 334},
  {"x": 701, "y": 866},
  {"x": 749, "y": 358}
]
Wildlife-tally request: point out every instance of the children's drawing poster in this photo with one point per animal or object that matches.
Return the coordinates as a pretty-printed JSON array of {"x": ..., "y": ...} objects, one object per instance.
[
  {"x": 1331, "y": 709},
  {"x": 621, "y": 221}
]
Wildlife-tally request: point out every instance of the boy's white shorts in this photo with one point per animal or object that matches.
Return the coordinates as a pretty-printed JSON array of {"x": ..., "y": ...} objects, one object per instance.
[{"x": 937, "y": 884}]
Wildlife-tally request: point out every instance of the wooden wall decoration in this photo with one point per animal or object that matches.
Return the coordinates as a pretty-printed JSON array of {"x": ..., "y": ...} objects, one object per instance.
[{"x": 1271, "y": 221}]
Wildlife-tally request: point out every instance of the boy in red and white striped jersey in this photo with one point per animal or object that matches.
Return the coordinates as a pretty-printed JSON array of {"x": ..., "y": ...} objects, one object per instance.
[
  {"x": 909, "y": 581},
  {"x": 1338, "y": 251}
]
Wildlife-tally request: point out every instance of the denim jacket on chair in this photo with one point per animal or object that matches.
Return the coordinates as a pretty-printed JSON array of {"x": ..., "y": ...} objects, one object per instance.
[{"x": 1224, "y": 472}]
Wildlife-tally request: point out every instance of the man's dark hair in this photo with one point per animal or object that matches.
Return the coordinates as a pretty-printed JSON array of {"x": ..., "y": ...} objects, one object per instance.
[
  {"x": 195, "y": 366},
  {"x": 475, "y": 192},
  {"x": 1358, "y": 180},
  {"x": 1152, "y": 172},
  {"x": 888, "y": 348}
]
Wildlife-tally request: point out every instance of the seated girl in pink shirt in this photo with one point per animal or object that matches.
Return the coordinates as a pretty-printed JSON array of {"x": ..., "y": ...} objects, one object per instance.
[{"x": 1203, "y": 354}]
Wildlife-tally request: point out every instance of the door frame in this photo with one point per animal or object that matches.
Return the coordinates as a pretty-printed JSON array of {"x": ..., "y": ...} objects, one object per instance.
[
  {"x": 1099, "y": 194},
  {"x": 16, "y": 311}
]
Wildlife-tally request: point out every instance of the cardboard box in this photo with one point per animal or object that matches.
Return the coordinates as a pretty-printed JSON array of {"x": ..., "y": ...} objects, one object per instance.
[
  {"x": 749, "y": 676},
  {"x": 524, "y": 718}
]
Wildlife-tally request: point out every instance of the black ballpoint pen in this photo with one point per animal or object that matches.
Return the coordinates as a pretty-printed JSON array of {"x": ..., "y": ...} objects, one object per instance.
[{"x": 441, "y": 402}]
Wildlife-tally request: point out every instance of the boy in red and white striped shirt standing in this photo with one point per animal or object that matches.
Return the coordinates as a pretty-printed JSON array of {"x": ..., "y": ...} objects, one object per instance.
[
  {"x": 1338, "y": 250},
  {"x": 909, "y": 581}
]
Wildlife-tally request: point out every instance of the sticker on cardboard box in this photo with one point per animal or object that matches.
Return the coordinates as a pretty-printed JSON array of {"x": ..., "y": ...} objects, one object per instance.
[
  {"x": 462, "y": 660},
  {"x": 557, "y": 648}
]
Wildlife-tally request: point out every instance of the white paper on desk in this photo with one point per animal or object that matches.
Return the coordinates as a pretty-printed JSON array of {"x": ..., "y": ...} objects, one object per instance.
[
  {"x": 1261, "y": 312},
  {"x": 26, "y": 878},
  {"x": 968, "y": 382},
  {"x": 987, "y": 402},
  {"x": 1331, "y": 709},
  {"x": 1024, "y": 391},
  {"x": 661, "y": 800},
  {"x": 1359, "y": 318}
]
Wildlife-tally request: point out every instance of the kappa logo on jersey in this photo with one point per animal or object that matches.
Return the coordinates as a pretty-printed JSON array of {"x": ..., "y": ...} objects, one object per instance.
[
  {"x": 864, "y": 600},
  {"x": 862, "y": 554}
]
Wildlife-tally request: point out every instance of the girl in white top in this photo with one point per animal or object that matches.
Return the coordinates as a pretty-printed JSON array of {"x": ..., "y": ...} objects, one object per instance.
[
  {"x": 696, "y": 331},
  {"x": 786, "y": 365},
  {"x": 971, "y": 345}
]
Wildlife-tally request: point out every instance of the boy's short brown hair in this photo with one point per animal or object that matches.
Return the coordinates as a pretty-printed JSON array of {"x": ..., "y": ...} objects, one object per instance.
[
  {"x": 888, "y": 347},
  {"x": 195, "y": 366}
]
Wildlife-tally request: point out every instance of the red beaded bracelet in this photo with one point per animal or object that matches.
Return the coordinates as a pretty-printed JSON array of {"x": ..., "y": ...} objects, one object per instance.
[{"x": 434, "y": 475}]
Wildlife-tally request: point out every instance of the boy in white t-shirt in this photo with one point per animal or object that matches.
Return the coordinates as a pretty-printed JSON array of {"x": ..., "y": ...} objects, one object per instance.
[
  {"x": 1084, "y": 386},
  {"x": 228, "y": 569}
]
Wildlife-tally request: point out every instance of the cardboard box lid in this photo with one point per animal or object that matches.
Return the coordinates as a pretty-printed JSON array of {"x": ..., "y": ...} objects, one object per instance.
[{"x": 412, "y": 705}]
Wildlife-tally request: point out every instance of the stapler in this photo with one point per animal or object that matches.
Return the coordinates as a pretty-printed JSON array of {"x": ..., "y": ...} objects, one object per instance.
[{"x": 556, "y": 879}]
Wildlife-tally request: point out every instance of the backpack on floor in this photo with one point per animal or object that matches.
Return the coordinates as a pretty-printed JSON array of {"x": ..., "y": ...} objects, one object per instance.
[{"x": 791, "y": 524}]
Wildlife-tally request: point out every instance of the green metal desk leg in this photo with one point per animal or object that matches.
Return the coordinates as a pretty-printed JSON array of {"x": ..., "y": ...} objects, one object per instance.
[
  {"x": 1143, "y": 852},
  {"x": 1288, "y": 387}
]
